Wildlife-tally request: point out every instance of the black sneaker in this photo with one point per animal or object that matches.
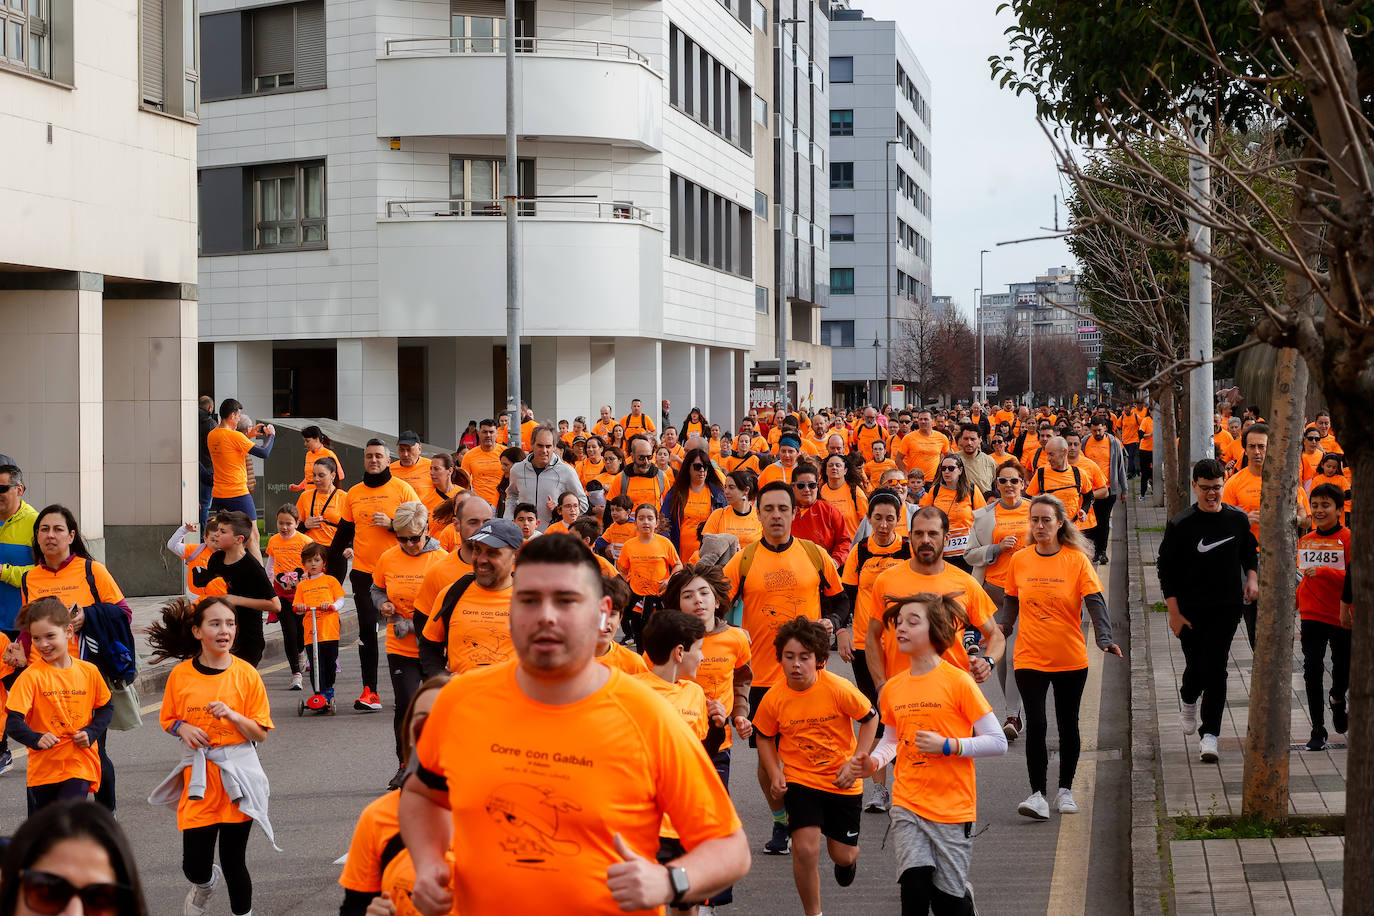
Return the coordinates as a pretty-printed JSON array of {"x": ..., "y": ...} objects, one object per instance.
[
  {"x": 6, "y": 760},
  {"x": 844, "y": 874},
  {"x": 777, "y": 845},
  {"x": 1340, "y": 721},
  {"x": 398, "y": 780},
  {"x": 1318, "y": 739}
]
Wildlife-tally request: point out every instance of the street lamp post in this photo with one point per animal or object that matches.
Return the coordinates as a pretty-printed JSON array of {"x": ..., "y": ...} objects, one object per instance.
[
  {"x": 513, "y": 316},
  {"x": 887, "y": 252},
  {"x": 978, "y": 385},
  {"x": 978, "y": 316},
  {"x": 877, "y": 389}
]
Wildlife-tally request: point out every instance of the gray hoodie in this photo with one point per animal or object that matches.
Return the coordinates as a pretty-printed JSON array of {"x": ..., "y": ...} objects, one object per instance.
[{"x": 529, "y": 484}]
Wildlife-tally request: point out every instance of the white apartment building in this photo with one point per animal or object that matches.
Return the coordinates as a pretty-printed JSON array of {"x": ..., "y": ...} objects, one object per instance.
[
  {"x": 1039, "y": 304},
  {"x": 98, "y": 110},
  {"x": 351, "y": 174},
  {"x": 880, "y": 208}
]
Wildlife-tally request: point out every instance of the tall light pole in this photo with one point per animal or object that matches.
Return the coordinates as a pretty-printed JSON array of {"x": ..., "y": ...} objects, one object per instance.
[
  {"x": 887, "y": 251},
  {"x": 877, "y": 383},
  {"x": 978, "y": 316},
  {"x": 512, "y": 235},
  {"x": 780, "y": 293},
  {"x": 978, "y": 385}
]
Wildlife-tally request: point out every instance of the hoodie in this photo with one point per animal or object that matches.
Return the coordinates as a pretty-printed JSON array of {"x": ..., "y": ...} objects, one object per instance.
[{"x": 529, "y": 484}]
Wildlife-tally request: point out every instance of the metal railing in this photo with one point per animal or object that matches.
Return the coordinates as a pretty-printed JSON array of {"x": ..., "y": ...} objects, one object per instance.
[
  {"x": 464, "y": 44},
  {"x": 543, "y": 207}
]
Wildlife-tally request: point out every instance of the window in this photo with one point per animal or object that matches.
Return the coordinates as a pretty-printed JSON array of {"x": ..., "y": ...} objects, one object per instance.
[
  {"x": 703, "y": 87},
  {"x": 761, "y": 300},
  {"x": 477, "y": 186},
  {"x": 842, "y": 281},
  {"x": 837, "y": 333},
  {"x": 277, "y": 48},
  {"x": 841, "y": 227},
  {"x": 709, "y": 229},
  {"x": 841, "y": 122},
  {"x": 760, "y": 17},
  {"x": 842, "y": 175},
  {"x": 841, "y": 69},
  {"x": 289, "y": 205},
  {"x": 169, "y": 69},
  {"x": 761, "y": 205},
  {"x": 26, "y": 35},
  {"x": 760, "y": 112}
]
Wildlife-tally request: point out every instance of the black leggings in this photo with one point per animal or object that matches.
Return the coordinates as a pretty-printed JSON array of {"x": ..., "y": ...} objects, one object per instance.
[
  {"x": 1147, "y": 469},
  {"x": 1316, "y": 636},
  {"x": 67, "y": 789},
  {"x": 1068, "y": 696},
  {"x": 322, "y": 671},
  {"x": 367, "y": 627},
  {"x": 292, "y": 633},
  {"x": 105, "y": 795},
  {"x": 198, "y": 855},
  {"x": 405, "y": 680},
  {"x": 920, "y": 896}
]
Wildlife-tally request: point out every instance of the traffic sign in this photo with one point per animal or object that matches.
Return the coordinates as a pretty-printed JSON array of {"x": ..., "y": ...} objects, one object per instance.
[{"x": 1092, "y": 376}]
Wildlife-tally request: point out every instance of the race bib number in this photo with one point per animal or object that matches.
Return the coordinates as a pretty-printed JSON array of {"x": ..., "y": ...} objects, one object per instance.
[
  {"x": 958, "y": 543},
  {"x": 1310, "y": 558}
]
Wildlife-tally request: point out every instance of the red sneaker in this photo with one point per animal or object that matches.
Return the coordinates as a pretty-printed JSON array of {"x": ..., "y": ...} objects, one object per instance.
[{"x": 368, "y": 701}]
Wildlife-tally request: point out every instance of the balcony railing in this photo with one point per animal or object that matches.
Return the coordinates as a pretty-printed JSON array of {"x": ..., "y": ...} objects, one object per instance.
[
  {"x": 460, "y": 44},
  {"x": 545, "y": 207}
]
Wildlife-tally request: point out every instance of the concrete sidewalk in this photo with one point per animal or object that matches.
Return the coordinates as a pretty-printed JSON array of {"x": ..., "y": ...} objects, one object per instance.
[
  {"x": 153, "y": 677},
  {"x": 1294, "y": 875}
]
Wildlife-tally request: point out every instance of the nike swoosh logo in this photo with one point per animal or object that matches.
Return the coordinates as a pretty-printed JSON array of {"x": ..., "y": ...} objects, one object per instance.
[
  {"x": 852, "y": 833},
  {"x": 1203, "y": 546}
]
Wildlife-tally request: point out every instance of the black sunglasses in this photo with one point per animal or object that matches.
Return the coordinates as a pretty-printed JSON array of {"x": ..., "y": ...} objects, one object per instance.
[
  {"x": 411, "y": 540},
  {"x": 1308, "y": 438},
  {"x": 1008, "y": 480},
  {"x": 698, "y": 467},
  {"x": 6, "y": 487},
  {"x": 47, "y": 893},
  {"x": 806, "y": 486}
]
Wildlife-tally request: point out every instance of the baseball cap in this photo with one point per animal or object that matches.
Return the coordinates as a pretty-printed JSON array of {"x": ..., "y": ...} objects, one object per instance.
[
  {"x": 408, "y": 437},
  {"x": 499, "y": 533}
]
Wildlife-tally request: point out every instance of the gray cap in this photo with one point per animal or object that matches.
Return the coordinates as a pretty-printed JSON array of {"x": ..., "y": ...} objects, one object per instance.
[{"x": 499, "y": 532}]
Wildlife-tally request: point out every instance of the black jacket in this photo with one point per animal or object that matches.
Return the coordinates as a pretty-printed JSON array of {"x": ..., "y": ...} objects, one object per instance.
[{"x": 1204, "y": 556}]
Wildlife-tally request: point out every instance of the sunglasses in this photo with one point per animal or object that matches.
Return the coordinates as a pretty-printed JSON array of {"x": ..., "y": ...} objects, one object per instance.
[
  {"x": 806, "y": 486},
  {"x": 6, "y": 487},
  {"x": 1308, "y": 438},
  {"x": 411, "y": 540},
  {"x": 998, "y": 441},
  {"x": 48, "y": 893},
  {"x": 950, "y": 467},
  {"x": 698, "y": 467},
  {"x": 1008, "y": 480}
]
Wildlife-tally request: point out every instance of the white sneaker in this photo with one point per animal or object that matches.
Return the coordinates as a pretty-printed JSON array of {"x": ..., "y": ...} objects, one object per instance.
[
  {"x": 1187, "y": 717},
  {"x": 1207, "y": 749},
  {"x": 197, "y": 898},
  {"x": 1036, "y": 806},
  {"x": 879, "y": 800},
  {"x": 1064, "y": 803},
  {"x": 705, "y": 910}
]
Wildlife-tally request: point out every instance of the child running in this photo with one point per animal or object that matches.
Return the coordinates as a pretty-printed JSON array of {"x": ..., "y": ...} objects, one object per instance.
[
  {"x": 324, "y": 595},
  {"x": 1324, "y": 563},
  {"x": 646, "y": 562},
  {"x": 248, "y": 589},
  {"x": 805, "y": 727},
  {"x": 217, "y": 706},
  {"x": 527, "y": 520},
  {"x": 620, "y": 530},
  {"x": 284, "y": 567},
  {"x": 196, "y": 556},
  {"x": 566, "y": 510},
  {"x": 59, "y": 708},
  {"x": 929, "y": 712}
]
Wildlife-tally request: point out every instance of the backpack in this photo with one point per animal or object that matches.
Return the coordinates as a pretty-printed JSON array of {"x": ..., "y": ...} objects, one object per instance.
[
  {"x": 1077, "y": 480},
  {"x": 865, "y": 554},
  {"x": 813, "y": 551},
  {"x": 451, "y": 599},
  {"x": 660, "y": 485}
]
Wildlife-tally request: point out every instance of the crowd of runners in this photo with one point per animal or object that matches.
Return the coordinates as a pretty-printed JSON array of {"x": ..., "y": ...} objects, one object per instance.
[{"x": 579, "y": 621}]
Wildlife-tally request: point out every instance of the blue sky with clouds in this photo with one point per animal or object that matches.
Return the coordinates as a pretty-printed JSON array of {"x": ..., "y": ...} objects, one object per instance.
[{"x": 994, "y": 176}]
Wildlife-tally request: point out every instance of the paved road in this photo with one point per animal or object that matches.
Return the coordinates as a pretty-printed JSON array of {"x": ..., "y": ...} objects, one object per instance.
[{"x": 324, "y": 771}]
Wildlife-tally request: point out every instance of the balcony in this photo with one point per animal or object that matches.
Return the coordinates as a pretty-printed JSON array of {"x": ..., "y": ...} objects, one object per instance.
[
  {"x": 588, "y": 91},
  {"x": 588, "y": 267}
]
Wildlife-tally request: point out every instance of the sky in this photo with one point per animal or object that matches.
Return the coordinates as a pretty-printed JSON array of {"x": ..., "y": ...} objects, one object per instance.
[{"x": 993, "y": 171}]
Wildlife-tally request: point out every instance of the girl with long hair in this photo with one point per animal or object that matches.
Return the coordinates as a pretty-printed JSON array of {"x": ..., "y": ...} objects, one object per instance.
[
  {"x": 955, "y": 495},
  {"x": 843, "y": 486},
  {"x": 697, "y": 491}
]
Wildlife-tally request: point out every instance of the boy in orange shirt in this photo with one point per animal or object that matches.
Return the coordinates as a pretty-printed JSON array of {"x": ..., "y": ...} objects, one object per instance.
[
  {"x": 646, "y": 562},
  {"x": 609, "y": 652},
  {"x": 59, "y": 708},
  {"x": 805, "y": 727},
  {"x": 325, "y": 596},
  {"x": 284, "y": 567},
  {"x": 927, "y": 711},
  {"x": 620, "y": 530}
]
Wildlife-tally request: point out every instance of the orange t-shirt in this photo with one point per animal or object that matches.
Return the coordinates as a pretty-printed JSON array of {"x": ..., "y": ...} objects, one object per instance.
[
  {"x": 228, "y": 448},
  {"x": 587, "y": 471},
  {"x": 731, "y": 463},
  {"x": 69, "y": 583},
  {"x": 1310, "y": 462},
  {"x": 417, "y": 475},
  {"x": 1061, "y": 484},
  {"x": 726, "y": 520},
  {"x": 636, "y": 424},
  {"x": 378, "y": 825},
  {"x": 1147, "y": 433},
  {"x": 286, "y": 555},
  {"x": 1051, "y": 591},
  {"x": 945, "y": 701},
  {"x": 776, "y": 471},
  {"x": 1007, "y": 523},
  {"x": 535, "y": 809},
  {"x": 722, "y": 654},
  {"x": 60, "y": 701},
  {"x": 197, "y": 556},
  {"x": 527, "y": 429},
  {"x": 875, "y": 470},
  {"x": 1323, "y": 562},
  {"x": 879, "y": 560},
  {"x": 960, "y": 515},
  {"x": 616, "y": 535},
  {"x": 1130, "y": 426},
  {"x": 484, "y": 469},
  {"x": 689, "y": 702},
  {"x": 814, "y": 728},
  {"x": 627, "y": 660},
  {"x": 780, "y": 586},
  {"x": 360, "y": 504},
  {"x": 853, "y": 506},
  {"x": 439, "y": 577},
  {"x": 311, "y": 503},
  {"x": 647, "y": 566},
  {"x": 1096, "y": 480},
  {"x": 694, "y": 513},
  {"x": 315, "y": 455},
  {"x": 188, "y": 695},
  {"x": 902, "y": 580},
  {"x": 640, "y": 489},
  {"x": 478, "y": 631},
  {"x": 1100, "y": 454},
  {"x": 1242, "y": 490},
  {"x": 922, "y": 451},
  {"x": 401, "y": 575},
  {"x": 322, "y": 591},
  {"x": 865, "y": 436}
]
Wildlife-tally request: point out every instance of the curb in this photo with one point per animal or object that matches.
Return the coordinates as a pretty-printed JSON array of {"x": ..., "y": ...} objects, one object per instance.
[
  {"x": 153, "y": 678},
  {"x": 1148, "y": 885}
]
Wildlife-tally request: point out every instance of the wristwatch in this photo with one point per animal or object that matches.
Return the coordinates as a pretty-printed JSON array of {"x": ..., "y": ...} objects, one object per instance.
[{"x": 677, "y": 879}]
